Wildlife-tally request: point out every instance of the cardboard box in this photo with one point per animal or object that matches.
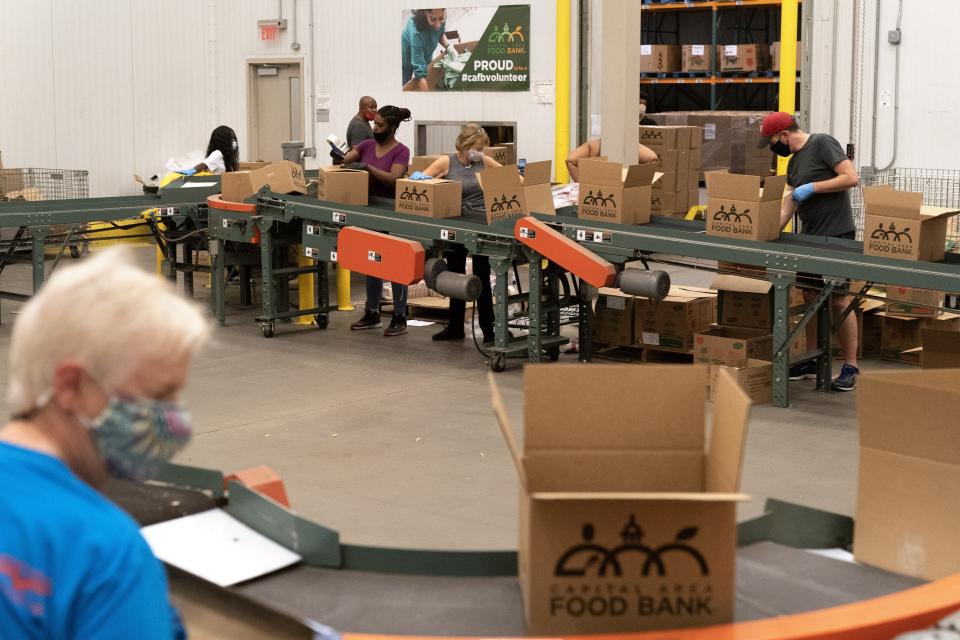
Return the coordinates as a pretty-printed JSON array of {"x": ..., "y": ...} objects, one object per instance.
[
  {"x": 420, "y": 163},
  {"x": 941, "y": 349},
  {"x": 899, "y": 334},
  {"x": 744, "y": 302},
  {"x": 673, "y": 322},
  {"x": 11, "y": 180},
  {"x": 429, "y": 198},
  {"x": 663, "y": 203},
  {"x": 660, "y": 137},
  {"x": 683, "y": 159},
  {"x": 281, "y": 177},
  {"x": 613, "y": 193},
  {"x": 680, "y": 203},
  {"x": 536, "y": 187},
  {"x": 503, "y": 195},
  {"x": 613, "y": 321},
  {"x": 737, "y": 206},
  {"x": 905, "y": 301},
  {"x": 899, "y": 225},
  {"x": 744, "y": 57},
  {"x": 693, "y": 180},
  {"x": 693, "y": 198},
  {"x": 755, "y": 377},
  {"x": 627, "y": 518},
  {"x": 775, "y": 56},
  {"x": 500, "y": 154},
  {"x": 511, "y": 148},
  {"x": 667, "y": 183},
  {"x": 732, "y": 345},
  {"x": 668, "y": 160},
  {"x": 696, "y": 156},
  {"x": 252, "y": 166},
  {"x": 909, "y": 472},
  {"x": 346, "y": 186},
  {"x": 659, "y": 58},
  {"x": 871, "y": 334},
  {"x": 695, "y": 58}
]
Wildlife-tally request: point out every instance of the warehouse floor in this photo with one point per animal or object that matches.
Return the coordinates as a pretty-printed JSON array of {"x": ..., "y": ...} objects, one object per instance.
[{"x": 392, "y": 442}]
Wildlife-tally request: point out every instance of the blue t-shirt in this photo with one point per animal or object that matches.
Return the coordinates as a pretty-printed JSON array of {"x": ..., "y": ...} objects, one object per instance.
[
  {"x": 73, "y": 565},
  {"x": 416, "y": 49}
]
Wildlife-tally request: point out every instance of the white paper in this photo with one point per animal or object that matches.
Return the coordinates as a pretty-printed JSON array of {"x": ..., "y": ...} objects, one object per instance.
[
  {"x": 730, "y": 50},
  {"x": 835, "y": 554},
  {"x": 646, "y": 50},
  {"x": 697, "y": 49},
  {"x": 197, "y": 185},
  {"x": 651, "y": 338},
  {"x": 594, "y": 125},
  {"x": 616, "y": 302},
  {"x": 710, "y": 131},
  {"x": 543, "y": 92},
  {"x": 217, "y": 547},
  {"x": 419, "y": 323}
]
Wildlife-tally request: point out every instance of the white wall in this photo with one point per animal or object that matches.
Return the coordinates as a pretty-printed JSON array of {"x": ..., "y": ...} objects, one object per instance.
[
  {"x": 929, "y": 89},
  {"x": 118, "y": 86}
]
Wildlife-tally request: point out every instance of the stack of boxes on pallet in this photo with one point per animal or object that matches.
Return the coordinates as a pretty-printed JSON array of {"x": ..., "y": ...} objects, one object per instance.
[
  {"x": 679, "y": 153},
  {"x": 729, "y": 139}
]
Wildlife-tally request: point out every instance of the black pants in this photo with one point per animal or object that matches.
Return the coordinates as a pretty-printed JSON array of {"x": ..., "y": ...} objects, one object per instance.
[{"x": 457, "y": 263}]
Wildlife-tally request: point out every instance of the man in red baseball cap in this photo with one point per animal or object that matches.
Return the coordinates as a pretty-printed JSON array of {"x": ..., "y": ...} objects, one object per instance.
[{"x": 819, "y": 176}]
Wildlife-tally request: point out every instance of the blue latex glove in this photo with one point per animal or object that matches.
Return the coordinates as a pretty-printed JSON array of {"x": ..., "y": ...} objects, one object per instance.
[
  {"x": 187, "y": 172},
  {"x": 803, "y": 192},
  {"x": 420, "y": 175}
]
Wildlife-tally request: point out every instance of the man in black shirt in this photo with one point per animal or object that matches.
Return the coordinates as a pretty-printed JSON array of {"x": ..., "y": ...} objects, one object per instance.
[
  {"x": 819, "y": 176},
  {"x": 359, "y": 128}
]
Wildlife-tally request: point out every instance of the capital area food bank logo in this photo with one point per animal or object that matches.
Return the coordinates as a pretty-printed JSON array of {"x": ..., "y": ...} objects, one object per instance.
[
  {"x": 507, "y": 35},
  {"x": 599, "y": 200},
  {"x": 502, "y": 204},
  {"x": 733, "y": 215},
  {"x": 891, "y": 234},
  {"x": 590, "y": 558},
  {"x": 414, "y": 195}
]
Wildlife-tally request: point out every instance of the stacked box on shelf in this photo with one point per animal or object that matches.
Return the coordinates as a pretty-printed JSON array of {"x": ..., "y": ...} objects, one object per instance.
[
  {"x": 659, "y": 58},
  {"x": 775, "y": 55},
  {"x": 729, "y": 140},
  {"x": 679, "y": 155}
]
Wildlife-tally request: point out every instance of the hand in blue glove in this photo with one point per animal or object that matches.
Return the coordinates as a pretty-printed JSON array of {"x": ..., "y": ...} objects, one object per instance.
[
  {"x": 420, "y": 175},
  {"x": 187, "y": 172},
  {"x": 803, "y": 192}
]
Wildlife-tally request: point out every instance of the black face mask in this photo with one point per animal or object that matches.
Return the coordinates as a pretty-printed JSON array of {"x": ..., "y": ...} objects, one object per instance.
[
  {"x": 781, "y": 149},
  {"x": 382, "y": 136}
]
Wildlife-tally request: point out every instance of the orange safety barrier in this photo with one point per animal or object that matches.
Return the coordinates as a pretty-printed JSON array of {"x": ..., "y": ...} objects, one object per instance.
[
  {"x": 379, "y": 255},
  {"x": 558, "y": 248},
  {"x": 883, "y": 617},
  {"x": 216, "y": 202}
]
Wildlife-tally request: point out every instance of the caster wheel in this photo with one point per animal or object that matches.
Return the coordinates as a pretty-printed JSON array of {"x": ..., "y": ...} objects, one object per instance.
[
  {"x": 75, "y": 252},
  {"x": 498, "y": 363},
  {"x": 323, "y": 321},
  {"x": 267, "y": 330},
  {"x": 554, "y": 354}
]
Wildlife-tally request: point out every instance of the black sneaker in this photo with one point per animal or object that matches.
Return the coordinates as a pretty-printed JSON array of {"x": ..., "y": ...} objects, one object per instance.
[
  {"x": 398, "y": 326},
  {"x": 449, "y": 333},
  {"x": 370, "y": 320},
  {"x": 847, "y": 380},
  {"x": 804, "y": 371}
]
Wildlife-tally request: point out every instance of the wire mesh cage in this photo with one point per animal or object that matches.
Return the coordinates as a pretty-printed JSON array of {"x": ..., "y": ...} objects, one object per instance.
[
  {"x": 43, "y": 184},
  {"x": 940, "y": 188}
]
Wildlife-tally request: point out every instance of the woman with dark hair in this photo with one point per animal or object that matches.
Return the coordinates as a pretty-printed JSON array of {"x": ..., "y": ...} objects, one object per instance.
[
  {"x": 421, "y": 35},
  {"x": 386, "y": 160},
  {"x": 223, "y": 153}
]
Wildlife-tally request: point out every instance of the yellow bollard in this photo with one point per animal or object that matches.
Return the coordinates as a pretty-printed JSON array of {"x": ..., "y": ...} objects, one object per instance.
[
  {"x": 561, "y": 117},
  {"x": 305, "y": 289},
  {"x": 343, "y": 289}
]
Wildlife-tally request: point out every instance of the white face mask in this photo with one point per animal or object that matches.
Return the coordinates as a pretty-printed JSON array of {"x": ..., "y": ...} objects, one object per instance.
[
  {"x": 233, "y": 145},
  {"x": 643, "y": 110},
  {"x": 475, "y": 156}
]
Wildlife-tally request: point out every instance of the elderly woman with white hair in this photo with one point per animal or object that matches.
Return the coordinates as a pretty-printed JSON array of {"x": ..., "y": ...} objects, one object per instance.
[{"x": 98, "y": 359}]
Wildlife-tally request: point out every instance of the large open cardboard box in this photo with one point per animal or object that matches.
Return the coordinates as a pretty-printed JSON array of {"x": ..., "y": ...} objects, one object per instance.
[
  {"x": 611, "y": 192},
  {"x": 738, "y": 207},
  {"x": 909, "y": 476},
  {"x": 898, "y": 225},
  {"x": 346, "y": 186},
  {"x": 432, "y": 198},
  {"x": 281, "y": 177},
  {"x": 627, "y": 517},
  {"x": 503, "y": 195},
  {"x": 536, "y": 187}
]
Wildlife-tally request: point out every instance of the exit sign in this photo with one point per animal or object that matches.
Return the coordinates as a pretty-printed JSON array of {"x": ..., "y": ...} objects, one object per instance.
[{"x": 270, "y": 29}]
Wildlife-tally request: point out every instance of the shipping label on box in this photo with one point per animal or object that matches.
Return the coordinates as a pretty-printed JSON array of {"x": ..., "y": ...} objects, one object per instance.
[
  {"x": 755, "y": 377},
  {"x": 738, "y": 207},
  {"x": 673, "y": 322},
  {"x": 503, "y": 195},
  {"x": 659, "y": 58},
  {"x": 695, "y": 58},
  {"x": 629, "y": 525},
  {"x": 613, "y": 320},
  {"x": 733, "y": 345},
  {"x": 898, "y": 225},
  {"x": 613, "y": 193},
  {"x": 429, "y": 198},
  {"x": 346, "y": 186}
]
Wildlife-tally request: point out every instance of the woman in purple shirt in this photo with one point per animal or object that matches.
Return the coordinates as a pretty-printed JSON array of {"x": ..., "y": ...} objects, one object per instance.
[{"x": 386, "y": 160}]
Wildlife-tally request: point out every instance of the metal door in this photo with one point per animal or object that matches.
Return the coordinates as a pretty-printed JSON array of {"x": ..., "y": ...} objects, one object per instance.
[{"x": 276, "y": 109}]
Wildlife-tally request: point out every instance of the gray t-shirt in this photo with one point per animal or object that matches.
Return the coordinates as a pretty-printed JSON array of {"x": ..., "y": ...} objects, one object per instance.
[
  {"x": 822, "y": 214},
  {"x": 471, "y": 195},
  {"x": 357, "y": 131}
]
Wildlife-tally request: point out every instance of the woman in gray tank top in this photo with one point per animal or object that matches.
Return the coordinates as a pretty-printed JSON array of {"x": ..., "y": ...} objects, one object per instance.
[{"x": 463, "y": 166}]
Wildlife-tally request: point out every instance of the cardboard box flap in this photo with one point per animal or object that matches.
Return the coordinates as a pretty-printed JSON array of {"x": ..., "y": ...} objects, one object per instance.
[
  {"x": 640, "y": 175},
  {"x": 724, "y": 282},
  {"x": 503, "y": 420},
  {"x": 773, "y": 187},
  {"x": 940, "y": 341},
  {"x": 537, "y": 173},
  {"x": 728, "y": 437},
  {"x": 934, "y": 398},
  {"x": 608, "y": 174},
  {"x": 685, "y": 294},
  {"x": 563, "y": 404},
  {"x": 891, "y": 203},
  {"x": 731, "y": 186},
  {"x": 640, "y": 495}
]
